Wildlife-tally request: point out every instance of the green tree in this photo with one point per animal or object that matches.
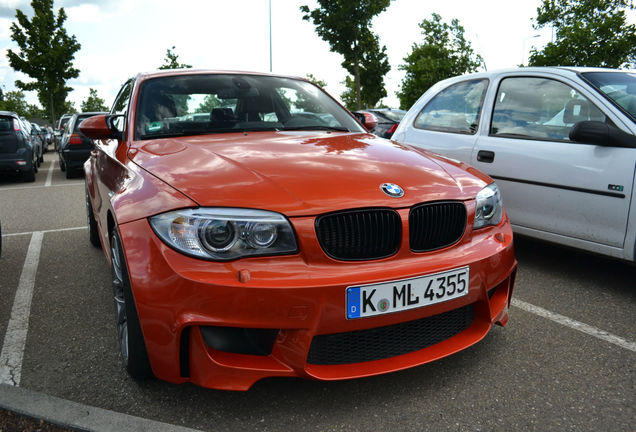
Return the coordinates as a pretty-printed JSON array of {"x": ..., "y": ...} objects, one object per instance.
[
  {"x": 14, "y": 101},
  {"x": 46, "y": 54},
  {"x": 345, "y": 26},
  {"x": 209, "y": 102},
  {"x": 444, "y": 53},
  {"x": 375, "y": 64},
  {"x": 587, "y": 33},
  {"x": 93, "y": 103},
  {"x": 318, "y": 82},
  {"x": 348, "y": 97},
  {"x": 171, "y": 61},
  {"x": 69, "y": 107}
]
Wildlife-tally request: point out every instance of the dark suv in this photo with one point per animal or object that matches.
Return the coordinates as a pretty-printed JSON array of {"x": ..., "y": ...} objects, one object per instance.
[
  {"x": 74, "y": 147},
  {"x": 17, "y": 154}
]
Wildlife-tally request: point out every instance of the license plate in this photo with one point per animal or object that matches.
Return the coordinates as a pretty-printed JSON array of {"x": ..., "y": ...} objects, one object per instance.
[{"x": 395, "y": 296}]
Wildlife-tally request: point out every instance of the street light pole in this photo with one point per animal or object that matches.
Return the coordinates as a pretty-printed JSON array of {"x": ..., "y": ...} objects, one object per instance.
[{"x": 523, "y": 48}]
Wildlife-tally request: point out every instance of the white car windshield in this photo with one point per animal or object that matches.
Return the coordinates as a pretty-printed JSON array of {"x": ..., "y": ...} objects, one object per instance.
[{"x": 620, "y": 87}]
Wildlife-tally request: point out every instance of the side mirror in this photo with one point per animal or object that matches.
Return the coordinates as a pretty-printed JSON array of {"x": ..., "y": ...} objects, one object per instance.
[
  {"x": 101, "y": 127},
  {"x": 368, "y": 120},
  {"x": 599, "y": 133}
]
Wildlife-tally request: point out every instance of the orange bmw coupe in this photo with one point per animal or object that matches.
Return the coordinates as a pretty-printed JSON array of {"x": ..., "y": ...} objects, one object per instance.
[{"x": 255, "y": 229}]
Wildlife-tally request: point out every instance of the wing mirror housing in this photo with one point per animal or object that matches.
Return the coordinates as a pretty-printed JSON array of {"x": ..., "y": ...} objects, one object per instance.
[
  {"x": 368, "y": 120},
  {"x": 101, "y": 127},
  {"x": 603, "y": 134}
]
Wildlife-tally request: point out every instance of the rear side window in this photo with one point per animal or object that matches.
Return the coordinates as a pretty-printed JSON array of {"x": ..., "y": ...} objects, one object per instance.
[
  {"x": 78, "y": 121},
  {"x": 455, "y": 109},
  {"x": 6, "y": 125},
  {"x": 539, "y": 108}
]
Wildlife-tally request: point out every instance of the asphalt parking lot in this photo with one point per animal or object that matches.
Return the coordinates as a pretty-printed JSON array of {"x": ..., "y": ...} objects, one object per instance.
[{"x": 565, "y": 361}]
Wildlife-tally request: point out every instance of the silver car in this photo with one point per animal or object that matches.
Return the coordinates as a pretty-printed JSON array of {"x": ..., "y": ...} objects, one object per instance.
[{"x": 560, "y": 142}]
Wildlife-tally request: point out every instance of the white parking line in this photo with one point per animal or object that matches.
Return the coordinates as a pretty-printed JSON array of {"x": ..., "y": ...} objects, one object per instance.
[
  {"x": 42, "y": 186},
  {"x": 15, "y": 337},
  {"x": 49, "y": 175},
  {"x": 576, "y": 325},
  {"x": 44, "y": 231}
]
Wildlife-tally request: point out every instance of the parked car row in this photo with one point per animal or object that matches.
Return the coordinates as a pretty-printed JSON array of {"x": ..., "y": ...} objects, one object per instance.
[
  {"x": 271, "y": 235},
  {"x": 20, "y": 147}
]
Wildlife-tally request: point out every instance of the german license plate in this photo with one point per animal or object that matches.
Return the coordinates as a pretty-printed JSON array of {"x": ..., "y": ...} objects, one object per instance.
[{"x": 395, "y": 296}]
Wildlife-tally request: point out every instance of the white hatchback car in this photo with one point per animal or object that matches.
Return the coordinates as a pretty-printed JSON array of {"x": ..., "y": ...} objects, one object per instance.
[{"x": 560, "y": 142}]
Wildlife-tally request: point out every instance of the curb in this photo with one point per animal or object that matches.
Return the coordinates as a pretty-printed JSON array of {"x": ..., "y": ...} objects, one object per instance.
[{"x": 74, "y": 415}]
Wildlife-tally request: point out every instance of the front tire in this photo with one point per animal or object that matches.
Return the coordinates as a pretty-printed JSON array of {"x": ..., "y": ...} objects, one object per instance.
[{"x": 131, "y": 340}]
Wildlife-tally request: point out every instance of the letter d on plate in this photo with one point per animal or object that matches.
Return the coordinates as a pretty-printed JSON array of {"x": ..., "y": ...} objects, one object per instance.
[{"x": 353, "y": 302}]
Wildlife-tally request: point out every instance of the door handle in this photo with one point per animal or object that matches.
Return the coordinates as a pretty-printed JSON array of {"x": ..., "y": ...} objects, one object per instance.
[{"x": 485, "y": 156}]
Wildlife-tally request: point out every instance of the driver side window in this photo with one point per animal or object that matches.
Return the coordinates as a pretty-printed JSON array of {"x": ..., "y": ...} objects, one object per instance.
[{"x": 539, "y": 108}]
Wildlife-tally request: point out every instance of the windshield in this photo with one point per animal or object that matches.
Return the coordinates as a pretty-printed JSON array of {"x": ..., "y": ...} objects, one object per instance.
[
  {"x": 215, "y": 103},
  {"x": 394, "y": 115},
  {"x": 620, "y": 87}
]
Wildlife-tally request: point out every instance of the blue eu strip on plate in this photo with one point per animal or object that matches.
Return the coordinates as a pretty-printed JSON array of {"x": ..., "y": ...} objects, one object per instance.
[{"x": 353, "y": 302}]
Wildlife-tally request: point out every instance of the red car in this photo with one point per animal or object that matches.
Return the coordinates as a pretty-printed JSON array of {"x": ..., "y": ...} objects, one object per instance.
[{"x": 255, "y": 229}]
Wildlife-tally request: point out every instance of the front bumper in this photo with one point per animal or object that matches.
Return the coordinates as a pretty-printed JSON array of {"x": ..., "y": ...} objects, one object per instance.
[{"x": 300, "y": 297}]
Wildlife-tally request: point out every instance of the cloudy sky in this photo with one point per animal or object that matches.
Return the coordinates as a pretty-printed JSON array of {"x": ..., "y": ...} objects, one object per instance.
[{"x": 122, "y": 37}]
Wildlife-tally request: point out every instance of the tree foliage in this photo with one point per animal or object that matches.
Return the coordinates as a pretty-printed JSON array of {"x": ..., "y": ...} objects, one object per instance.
[
  {"x": 171, "y": 61},
  {"x": 14, "y": 101},
  {"x": 444, "y": 53},
  {"x": 345, "y": 26},
  {"x": 587, "y": 33},
  {"x": 93, "y": 103},
  {"x": 318, "y": 82},
  {"x": 46, "y": 54}
]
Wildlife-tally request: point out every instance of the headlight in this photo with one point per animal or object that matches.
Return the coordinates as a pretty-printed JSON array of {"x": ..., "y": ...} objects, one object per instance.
[
  {"x": 225, "y": 233},
  {"x": 489, "y": 209}
]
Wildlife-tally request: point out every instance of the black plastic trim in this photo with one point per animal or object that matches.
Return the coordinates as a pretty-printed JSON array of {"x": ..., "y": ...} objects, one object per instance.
[{"x": 556, "y": 186}]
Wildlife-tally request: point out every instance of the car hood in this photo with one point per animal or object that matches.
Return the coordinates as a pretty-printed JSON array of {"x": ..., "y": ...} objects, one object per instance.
[{"x": 303, "y": 173}]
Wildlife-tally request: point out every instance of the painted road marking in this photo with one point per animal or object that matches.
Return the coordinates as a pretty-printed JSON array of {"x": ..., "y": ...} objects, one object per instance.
[
  {"x": 15, "y": 337},
  {"x": 39, "y": 187},
  {"x": 44, "y": 231},
  {"x": 576, "y": 325},
  {"x": 49, "y": 175}
]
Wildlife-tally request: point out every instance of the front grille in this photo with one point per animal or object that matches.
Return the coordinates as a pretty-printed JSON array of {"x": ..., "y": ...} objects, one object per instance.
[
  {"x": 436, "y": 225},
  {"x": 384, "y": 342},
  {"x": 359, "y": 234}
]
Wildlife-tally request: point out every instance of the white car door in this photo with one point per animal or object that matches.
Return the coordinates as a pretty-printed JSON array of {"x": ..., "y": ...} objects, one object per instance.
[
  {"x": 551, "y": 185},
  {"x": 448, "y": 120}
]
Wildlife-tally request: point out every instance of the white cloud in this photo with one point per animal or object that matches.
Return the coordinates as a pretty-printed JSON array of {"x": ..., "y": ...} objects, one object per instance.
[{"x": 84, "y": 13}]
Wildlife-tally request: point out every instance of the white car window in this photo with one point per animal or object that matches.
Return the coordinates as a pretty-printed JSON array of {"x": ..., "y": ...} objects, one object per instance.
[
  {"x": 456, "y": 109},
  {"x": 539, "y": 108}
]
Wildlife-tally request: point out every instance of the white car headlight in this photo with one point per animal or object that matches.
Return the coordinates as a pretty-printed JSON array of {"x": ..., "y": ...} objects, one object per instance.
[
  {"x": 489, "y": 209},
  {"x": 223, "y": 234}
]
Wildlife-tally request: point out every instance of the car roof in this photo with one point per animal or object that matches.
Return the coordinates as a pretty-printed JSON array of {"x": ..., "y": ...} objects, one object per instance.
[
  {"x": 558, "y": 70},
  {"x": 9, "y": 113},
  {"x": 180, "y": 72}
]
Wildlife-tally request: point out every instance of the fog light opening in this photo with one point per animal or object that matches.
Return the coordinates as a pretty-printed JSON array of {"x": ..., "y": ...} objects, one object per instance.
[{"x": 239, "y": 340}]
